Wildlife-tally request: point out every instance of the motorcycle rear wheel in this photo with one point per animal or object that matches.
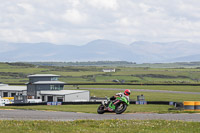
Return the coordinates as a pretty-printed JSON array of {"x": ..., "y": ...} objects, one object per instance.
[{"x": 120, "y": 108}]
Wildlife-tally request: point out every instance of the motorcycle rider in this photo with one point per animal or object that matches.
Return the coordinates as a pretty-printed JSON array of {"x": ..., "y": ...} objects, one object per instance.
[{"x": 126, "y": 94}]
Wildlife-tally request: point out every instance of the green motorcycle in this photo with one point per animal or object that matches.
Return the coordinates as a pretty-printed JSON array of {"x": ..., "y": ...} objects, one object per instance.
[{"x": 118, "y": 106}]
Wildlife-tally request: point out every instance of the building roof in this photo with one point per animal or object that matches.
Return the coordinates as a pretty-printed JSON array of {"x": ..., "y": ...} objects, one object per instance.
[
  {"x": 109, "y": 69},
  {"x": 43, "y": 75},
  {"x": 49, "y": 82},
  {"x": 12, "y": 88},
  {"x": 62, "y": 92},
  {"x": 1, "y": 84}
]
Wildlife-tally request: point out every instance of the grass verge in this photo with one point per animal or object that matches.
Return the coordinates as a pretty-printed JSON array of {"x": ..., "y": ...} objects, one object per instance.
[
  {"x": 103, "y": 126},
  {"x": 93, "y": 108}
]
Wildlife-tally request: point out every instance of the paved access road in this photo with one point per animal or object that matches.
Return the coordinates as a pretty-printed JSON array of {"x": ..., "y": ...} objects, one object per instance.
[{"x": 70, "y": 116}]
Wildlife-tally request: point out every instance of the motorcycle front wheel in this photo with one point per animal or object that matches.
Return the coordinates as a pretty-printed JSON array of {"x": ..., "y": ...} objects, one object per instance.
[{"x": 100, "y": 109}]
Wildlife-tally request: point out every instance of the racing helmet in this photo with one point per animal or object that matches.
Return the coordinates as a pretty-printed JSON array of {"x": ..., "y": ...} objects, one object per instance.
[{"x": 127, "y": 92}]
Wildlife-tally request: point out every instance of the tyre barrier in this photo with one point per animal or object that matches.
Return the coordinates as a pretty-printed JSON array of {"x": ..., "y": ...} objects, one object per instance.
[
  {"x": 120, "y": 84},
  {"x": 159, "y": 102},
  {"x": 47, "y": 103},
  {"x": 175, "y": 104},
  {"x": 80, "y": 103},
  {"x": 191, "y": 105},
  {"x": 26, "y": 104}
]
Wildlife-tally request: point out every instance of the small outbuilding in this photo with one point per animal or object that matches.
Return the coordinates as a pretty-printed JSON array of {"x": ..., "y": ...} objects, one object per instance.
[
  {"x": 64, "y": 95},
  {"x": 109, "y": 70}
]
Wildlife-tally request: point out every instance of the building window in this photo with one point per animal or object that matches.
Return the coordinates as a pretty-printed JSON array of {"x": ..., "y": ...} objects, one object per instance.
[
  {"x": 19, "y": 98},
  {"x": 5, "y": 94},
  {"x": 52, "y": 87},
  {"x": 54, "y": 78},
  {"x": 56, "y": 87},
  {"x": 13, "y": 94}
]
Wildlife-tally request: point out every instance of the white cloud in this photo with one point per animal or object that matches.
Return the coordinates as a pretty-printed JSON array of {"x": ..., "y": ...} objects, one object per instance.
[
  {"x": 80, "y": 21},
  {"x": 104, "y": 4},
  {"x": 27, "y": 7},
  {"x": 74, "y": 16},
  {"x": 124, "y": 22}
]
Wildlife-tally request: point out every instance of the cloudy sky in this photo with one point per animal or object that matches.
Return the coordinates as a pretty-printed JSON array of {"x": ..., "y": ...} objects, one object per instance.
[{"x": 77, "y": 22}]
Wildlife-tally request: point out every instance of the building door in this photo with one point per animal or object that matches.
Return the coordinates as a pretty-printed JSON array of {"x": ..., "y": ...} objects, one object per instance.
[
  {"x": 59, "y": 99},
  {"x": 5, "y": 94},
  {"x": 50, "y": 98},
  {"x": 42, "y": 98}
]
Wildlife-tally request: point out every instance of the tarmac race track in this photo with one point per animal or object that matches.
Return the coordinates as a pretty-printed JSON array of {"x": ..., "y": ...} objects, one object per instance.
[{"x": 70, "y": 116}]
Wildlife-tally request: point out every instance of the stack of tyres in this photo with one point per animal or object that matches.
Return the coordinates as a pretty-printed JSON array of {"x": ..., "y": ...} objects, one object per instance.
[
  {"x": 197, "y": 106},
  {"x": 189, "y": 105}
]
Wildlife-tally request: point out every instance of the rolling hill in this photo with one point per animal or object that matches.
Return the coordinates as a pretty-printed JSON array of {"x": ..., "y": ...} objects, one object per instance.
[{"x": 101, "y": 50}]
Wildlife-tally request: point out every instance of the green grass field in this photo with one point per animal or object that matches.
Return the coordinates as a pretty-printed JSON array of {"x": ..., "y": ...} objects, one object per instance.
[
  {"x": 150, "y": 96},
  {"x": 103, "y": 126},
  {"x": 17, "y": 73},
  {"x": 147, "y": 87}
]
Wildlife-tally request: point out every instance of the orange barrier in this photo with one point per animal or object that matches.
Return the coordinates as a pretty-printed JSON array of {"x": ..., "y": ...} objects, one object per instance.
[
  {"x": 10, "y": 98},
  {"x": 189, "y": 105},
  {"x": 197, "y": 106}
]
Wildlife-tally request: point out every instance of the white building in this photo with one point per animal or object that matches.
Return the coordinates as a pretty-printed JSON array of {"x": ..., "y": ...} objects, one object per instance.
[
  {"x": 44, "y": 87},
  {"x": 64, "y": 95},
  {"x": 109, "y": 70},
  {"x": 11, "y": 91}
]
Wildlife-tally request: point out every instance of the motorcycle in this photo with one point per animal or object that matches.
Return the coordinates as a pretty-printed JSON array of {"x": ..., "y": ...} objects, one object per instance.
[{"x": 119, "y": 105}]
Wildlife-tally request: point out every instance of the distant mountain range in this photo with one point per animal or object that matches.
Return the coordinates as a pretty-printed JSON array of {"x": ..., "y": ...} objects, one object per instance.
[{"x": 102, "y": 50}]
